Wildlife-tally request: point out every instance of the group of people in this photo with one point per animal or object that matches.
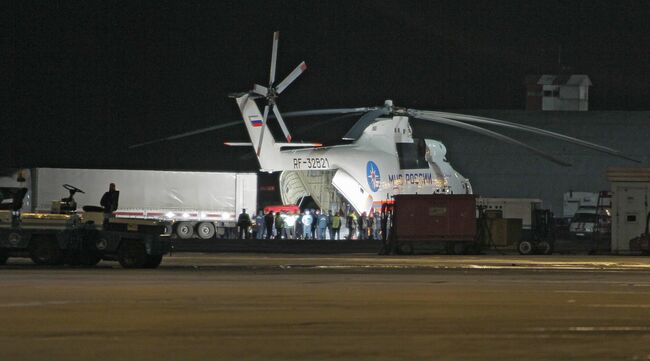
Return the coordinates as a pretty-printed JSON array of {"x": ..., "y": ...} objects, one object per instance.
[
  {"x": 311, "y": 224},
  {"x": 364, "y": 226}
]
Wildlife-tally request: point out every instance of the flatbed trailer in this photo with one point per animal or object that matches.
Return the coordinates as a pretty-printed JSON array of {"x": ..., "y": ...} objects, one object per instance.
[
  {"x": 82, "y": 239},
  {"x": 200, "y": 204}
]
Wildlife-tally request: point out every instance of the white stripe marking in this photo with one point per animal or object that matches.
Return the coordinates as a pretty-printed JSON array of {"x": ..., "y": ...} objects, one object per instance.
[{"x": 34, "y": 304}]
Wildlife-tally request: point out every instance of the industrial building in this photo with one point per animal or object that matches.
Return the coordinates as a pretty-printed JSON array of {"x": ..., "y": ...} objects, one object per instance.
[
  {"x": 630, "y": 187},
  {"x": 563, "y": 92}
]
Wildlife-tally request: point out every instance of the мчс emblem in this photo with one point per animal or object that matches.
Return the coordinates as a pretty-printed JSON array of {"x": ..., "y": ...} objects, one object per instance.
[{"x": 372, "y": 172}]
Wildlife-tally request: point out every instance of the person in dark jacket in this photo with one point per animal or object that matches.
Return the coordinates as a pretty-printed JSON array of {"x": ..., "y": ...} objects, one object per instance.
[
  {"x": 279, "y": 226},
  {"x": 330, "y": 229},
  {"x": 243, "y": 222},
  {"x": 299, "y": 227},
  {"x": 109, "y": 201},
  {"x": 314, "y": 223},
  {"x": 363, "y": 226},
  {"x": 268, "y": 222}
]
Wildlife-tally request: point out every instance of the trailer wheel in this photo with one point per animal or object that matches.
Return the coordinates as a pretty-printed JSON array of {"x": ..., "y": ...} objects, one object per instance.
[
  {"x": 525, "y": 247},
  {"x": 132, "y": 254},
  {"x": 153, "y": 261},
  {"x": 544, "y": 247},
  {"x": 4, "y": 256},
  {"x": 184, "y": 230},
  {"x": 46, "y": 252},
  {"x": 205, "y": 230}
]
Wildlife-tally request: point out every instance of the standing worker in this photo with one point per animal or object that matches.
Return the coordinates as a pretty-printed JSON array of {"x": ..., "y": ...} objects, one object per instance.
[
  {"x": 363, "y": 226},
  {"x": 376, "y": 226},
  {"x": 298, "y": 228},
  {"x": 314, "y": 224},
  {"x": 243, "y": 222},
  {"x": 109, "y": 201},
  {"x": 336, "y": 226},
  {"x": 279, "y": 225},
  {"x": 329, "y": 224},
  {"x": 349, "y": 221},
  {"x": 322, "y": 225},
  {"x": 268, "y": 222},
  {"x": 307, "y": 220},
  {"x": 259, "y": 223}
]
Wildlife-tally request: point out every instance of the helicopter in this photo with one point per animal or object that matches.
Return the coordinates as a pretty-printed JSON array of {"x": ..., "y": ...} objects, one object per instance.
[{"x": 383, "y": 157}]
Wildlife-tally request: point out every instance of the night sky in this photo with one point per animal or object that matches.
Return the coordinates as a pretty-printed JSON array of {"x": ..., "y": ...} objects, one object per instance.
[{"x": 87, "y": 79}]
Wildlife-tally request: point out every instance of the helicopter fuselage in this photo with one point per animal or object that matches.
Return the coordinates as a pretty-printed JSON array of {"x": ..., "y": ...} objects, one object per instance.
[{"x": 385, "y": 160}]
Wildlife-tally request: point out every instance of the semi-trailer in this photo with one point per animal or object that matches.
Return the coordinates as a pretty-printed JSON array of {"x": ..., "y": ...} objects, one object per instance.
[{"x": 200, "y": 204}]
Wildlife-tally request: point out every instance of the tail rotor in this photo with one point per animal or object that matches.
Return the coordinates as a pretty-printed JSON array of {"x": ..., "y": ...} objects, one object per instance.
[{"x": 271, "y": 92}]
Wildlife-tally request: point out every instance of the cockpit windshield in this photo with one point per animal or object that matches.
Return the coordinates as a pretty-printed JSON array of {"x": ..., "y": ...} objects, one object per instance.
[{"x": 412, "y": 155}]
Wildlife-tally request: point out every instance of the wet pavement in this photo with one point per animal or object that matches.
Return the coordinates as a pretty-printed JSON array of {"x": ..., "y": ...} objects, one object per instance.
[{"x": 342, "y": 307}]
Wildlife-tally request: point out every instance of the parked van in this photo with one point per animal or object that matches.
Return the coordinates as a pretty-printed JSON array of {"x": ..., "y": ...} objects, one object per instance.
[{"x": 586, "y": 221}]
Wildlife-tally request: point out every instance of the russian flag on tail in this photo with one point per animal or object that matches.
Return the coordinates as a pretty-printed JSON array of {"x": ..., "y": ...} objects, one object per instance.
[{"x": 256, "y": 120}]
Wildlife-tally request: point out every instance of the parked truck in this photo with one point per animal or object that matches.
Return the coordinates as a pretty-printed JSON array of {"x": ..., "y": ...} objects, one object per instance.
[{"x": 200, "y": 204}]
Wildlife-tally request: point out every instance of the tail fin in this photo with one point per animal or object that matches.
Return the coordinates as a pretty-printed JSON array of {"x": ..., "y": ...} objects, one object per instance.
[{"x": 253, "y": 120}]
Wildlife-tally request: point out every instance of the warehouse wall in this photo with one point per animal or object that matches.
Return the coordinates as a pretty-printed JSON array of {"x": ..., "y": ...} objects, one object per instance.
[{"x": 501, "y": 170}]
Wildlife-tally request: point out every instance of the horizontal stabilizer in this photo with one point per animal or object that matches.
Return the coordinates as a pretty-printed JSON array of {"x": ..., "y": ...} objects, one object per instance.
[
  {"x": 279, "y": 145},
  {"x": 238, "y": 144},
  {"x": 297, "y": 145}
]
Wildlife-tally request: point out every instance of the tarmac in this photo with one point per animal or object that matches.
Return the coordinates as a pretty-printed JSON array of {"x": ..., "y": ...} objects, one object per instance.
[{"x": 330, "y": 307}]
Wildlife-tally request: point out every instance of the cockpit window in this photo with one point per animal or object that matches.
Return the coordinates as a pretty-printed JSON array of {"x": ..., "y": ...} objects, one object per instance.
[{"x": 412, "y": 155}]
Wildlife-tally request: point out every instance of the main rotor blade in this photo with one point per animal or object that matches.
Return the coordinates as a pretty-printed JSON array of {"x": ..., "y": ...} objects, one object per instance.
[
  {"x": 261, "y": 90},
  {"x": 274, "y": 56},
  {"x": 534, "y": 130},
  {"x": 187, "y": 134},
  {"x": 291, "y": 77},
  {"x": 264, "y": 118},
  {"x": 276, "y": 111},
  {"x": 456, "y": 123},
  {"x": 363, "y": 123},
  {"x": 300, "y": 113}
]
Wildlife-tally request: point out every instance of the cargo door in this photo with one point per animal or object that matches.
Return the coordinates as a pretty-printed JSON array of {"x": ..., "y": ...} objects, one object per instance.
[{"x": 353, "y": 192}]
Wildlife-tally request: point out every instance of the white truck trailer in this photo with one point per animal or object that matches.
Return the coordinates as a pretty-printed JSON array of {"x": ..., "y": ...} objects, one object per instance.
[
  {"x": 201, "y": 204},
  {"x": 575, "y": 200}
]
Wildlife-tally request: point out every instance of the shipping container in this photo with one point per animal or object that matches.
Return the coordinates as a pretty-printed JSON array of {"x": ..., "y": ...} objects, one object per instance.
[{"x": 449, "y": 220}]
